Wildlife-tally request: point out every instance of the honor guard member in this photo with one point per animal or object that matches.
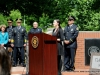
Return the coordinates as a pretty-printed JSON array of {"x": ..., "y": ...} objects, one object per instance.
[
  {"x": 9, "y": 29},
  {"x": 35, "y": 29},
  {"x": 19, "y": 41},
  {"x": 70, "y": 44}
]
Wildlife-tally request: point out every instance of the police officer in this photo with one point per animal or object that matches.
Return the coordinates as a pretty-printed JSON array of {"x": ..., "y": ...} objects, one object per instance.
[
  {"x": 19, "y": 39},
  {"x": 35, "y": 29},
  {"x": 9, "y": 29},
  {"x": 70, "y": 44}
]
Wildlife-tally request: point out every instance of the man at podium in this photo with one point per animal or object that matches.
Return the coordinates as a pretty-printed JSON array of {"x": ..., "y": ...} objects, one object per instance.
[{"x": 33, "y": 30}]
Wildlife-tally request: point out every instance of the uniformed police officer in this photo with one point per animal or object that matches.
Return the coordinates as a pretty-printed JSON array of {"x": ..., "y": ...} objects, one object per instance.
[
  {"x": 9, "y": 29},
  {"x": 19, "y": 39},
  {"x": 35, "y": 29},
  {"x": 70, "y": 44}
]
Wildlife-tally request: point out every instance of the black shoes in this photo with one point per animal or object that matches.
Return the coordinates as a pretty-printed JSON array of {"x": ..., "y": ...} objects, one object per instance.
[
  {"x": 69, "y": 70},
  {"x": 14, "y": 65},
  {"x": 24, "y": 65},
  {"x": 59, "y": 73}
]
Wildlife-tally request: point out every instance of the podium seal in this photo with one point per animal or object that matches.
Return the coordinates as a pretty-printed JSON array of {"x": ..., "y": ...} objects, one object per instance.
[{"x": 35, "y": 41}]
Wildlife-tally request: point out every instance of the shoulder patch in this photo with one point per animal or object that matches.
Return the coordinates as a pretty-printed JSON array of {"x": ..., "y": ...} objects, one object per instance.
[{"x": 77, "y": 28}]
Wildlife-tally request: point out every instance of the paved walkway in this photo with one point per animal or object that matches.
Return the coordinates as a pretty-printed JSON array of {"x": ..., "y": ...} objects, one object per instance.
[
  {"x": 77, "y": 72},
  {"x": 18, "y": 70},
  {"x": 22, "y": 70}
]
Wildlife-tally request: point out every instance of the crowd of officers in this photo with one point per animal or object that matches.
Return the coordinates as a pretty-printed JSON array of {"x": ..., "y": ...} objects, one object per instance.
[{"x": 17, "y": 41}]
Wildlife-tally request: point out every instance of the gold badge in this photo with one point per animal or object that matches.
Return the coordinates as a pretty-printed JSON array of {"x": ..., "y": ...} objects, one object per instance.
[
  {"x": 12, "y": 40},
  {"x": 35, "y": 42}
]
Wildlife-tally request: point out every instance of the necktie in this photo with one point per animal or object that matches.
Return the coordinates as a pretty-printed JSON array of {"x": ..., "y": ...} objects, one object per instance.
[
  {"x": 18, "y": 28},
  {"x": 68, "y": 28},
  {"x": 10, "y": 27}
]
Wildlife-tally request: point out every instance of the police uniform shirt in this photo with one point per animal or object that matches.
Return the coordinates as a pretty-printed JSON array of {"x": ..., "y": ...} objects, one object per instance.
[
  {"x": 9, "y": 29},
  {"x": 35, "y": 30},
  {"x": 19, "y": 36},
  {"x": 71, "y": 33}
]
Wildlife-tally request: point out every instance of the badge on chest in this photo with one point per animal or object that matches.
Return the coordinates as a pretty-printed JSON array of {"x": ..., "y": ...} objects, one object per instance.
[{"x": 71, "y": 29}]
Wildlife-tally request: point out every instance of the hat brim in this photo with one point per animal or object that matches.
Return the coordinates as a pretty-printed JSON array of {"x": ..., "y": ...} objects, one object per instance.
[
  {"x": 18, "y": 21},
  {"x": 9, "y": 21}
]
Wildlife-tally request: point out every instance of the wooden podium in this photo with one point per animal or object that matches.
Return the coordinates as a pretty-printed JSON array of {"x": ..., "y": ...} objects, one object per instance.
[{"x": 42, "y": 54}]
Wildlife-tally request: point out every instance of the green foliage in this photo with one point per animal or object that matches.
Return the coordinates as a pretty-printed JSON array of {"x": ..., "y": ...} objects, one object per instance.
[
  {"x": 43, "y": 21},
  {"x": 14, "y": 14},
  {"x": 27, "y": 27},
  {"x": 3, "y": 19},
  {"x": 86, "y": 12},
  {"x": 30, "y": 19}
]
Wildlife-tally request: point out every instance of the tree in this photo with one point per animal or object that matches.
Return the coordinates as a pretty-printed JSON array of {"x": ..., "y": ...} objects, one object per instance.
[{"x": 86, "y": 11}]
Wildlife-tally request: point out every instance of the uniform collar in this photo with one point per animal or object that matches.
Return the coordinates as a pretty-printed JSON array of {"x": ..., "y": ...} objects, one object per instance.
[
  {"x": 10, "y": 26},
  {"x": 35, "y": 28},
  {"x": 19, "y": 27},
  {"x": 71, "y": 25}
]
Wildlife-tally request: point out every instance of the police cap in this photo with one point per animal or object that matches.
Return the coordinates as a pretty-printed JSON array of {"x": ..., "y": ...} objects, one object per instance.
[
  {"x": 9, "y": 20},
  {"x": 71, "y": 18},
  {"x": 18, "y": 20}
]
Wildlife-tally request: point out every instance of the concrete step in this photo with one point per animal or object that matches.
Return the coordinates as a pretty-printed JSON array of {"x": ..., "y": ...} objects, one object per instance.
[
  {"x": 18, "y": 70},
  {"x": 22, "y": 70}
]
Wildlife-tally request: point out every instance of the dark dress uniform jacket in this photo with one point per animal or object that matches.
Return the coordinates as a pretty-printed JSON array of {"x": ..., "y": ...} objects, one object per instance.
[
  {"x": 19, "y": 36},
  {"x": 71, "y": 34},
  {"x": 35, "y": 30},
  {"x": 59, "y": 35},
  {"x": 9, "y": 30}
]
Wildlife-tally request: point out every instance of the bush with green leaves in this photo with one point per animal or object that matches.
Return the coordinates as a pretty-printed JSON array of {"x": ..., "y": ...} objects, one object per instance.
[{"x": 3, "y": 19}]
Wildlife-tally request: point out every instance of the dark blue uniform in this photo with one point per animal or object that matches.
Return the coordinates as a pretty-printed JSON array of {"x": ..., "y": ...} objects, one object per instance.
[
  {"x": 70, "y": 34},
  {"x": 35, "y": 30},
  {"x": 9, "y": 29},
  {"x": 19, "y": 37},
  {"x": 32, "y": 31}
]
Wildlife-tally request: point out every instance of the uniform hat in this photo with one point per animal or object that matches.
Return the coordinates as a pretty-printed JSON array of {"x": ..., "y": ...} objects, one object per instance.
[
  {"x": 2, "y": 26},
  {"x": 18, "y": 20},
  {"x": 9, "y": 20},
  {"x": 71, "y": 18}
]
